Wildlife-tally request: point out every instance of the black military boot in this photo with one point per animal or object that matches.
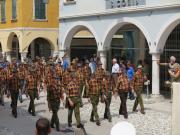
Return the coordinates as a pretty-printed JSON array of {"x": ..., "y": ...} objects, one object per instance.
[
  {"x": 52, "y": 125},
  {"x": 105, "y": 116},
  {"x": 98, "y": 123},
  {"x": 92, "y": 120},
  {"x": 69, "y": 125},
  {"x": 80, "y": 125},
  {"x": 33, "y": 114}
]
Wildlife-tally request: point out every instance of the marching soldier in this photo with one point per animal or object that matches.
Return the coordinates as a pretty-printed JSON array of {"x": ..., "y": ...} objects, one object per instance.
[
  {"x": 53, "y": 97},
  {"x": 21, "y": 76},
  {"x": 80, "y": 80},
  {"x": 94, "y": 93},
  {"x": 86, "y": 73},
  {"x": 59, "y": 71},
  {"x": 3, "y": 79},
  {"x": 32, "y": 89},
  {"x": 73, "y": 99},
  {"x": 107, "y": 95},
  {"x": 122, "y": 88},
  {"x": 99, "y": 73},
  {"x": 138, "y": 83},
  {"x": 14, "y": 91}
]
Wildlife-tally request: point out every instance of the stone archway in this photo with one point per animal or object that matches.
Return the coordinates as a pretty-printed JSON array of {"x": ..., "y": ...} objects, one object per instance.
[
  {"x": 116, "y": 25},
  {"x": 165, "y": 31},
  {"x": 13, "y": 46},
  {"x": 122, "y": 38},
  {"x": 80, "y": 44},
  {"x": 73, "y": 29},
  {"x": 39, "y": 47}
]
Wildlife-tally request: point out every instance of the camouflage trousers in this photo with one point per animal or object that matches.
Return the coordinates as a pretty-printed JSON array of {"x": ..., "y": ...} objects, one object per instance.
[
  {"x": 94, "y": 101},
  {"x": 54, "y": 107},
  {"x": 2, "y": 91},
  {"x": 14, "y": 100},
  {"x": 76, "y": 109},
  {"x": 32, "y": 95},
  {"x": 139, "y": 99},
  {"x": 107, "y": 113}
]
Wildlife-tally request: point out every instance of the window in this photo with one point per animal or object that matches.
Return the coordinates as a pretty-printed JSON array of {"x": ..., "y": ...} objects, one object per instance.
[
  {"x": 40, "y": 9},
  {"x": 3, "y": 10},
  {"x": 14, "y": 10}
]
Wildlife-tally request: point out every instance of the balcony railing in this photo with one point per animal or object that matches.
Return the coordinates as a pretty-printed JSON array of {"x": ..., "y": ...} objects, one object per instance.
[{"x": 124, "y": 3}]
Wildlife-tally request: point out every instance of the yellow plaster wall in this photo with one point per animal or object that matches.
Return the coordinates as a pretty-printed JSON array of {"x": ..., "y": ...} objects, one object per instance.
[
  {"x": 9, "y": 23},
  {"x": 25, "y": 15}
]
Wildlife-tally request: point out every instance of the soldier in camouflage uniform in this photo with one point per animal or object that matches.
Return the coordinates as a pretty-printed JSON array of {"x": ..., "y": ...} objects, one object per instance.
[
  {"x": 53, "y": 97},
  {"x": 21, "y": 76},
  {"x": 32, "y": 89},
  {"x": 99, "y": 73},
  {"x": 3, "y": 82},
  {"x": 80, "y": 80},
  {"x": 14, "y": 91},
  {"x": 94, "y": 93},
  {"x": 138, "y": 83},
  {"x": 122, "y": 88},
  {"x": 86, "y": 73},
  {"x": 73, "y": 99},
  {"x": 107, "y": 95}
]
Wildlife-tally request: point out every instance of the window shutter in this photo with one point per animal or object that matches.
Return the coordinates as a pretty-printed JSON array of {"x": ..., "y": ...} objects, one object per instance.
[
  {"x": 3, "y": 12},
  {"x": 40, "y": 9},
  {"x": 14, "y": 10}
]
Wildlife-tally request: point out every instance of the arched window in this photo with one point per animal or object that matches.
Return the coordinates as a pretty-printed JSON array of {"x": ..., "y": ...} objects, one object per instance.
[{"x": 40, "y": 9}]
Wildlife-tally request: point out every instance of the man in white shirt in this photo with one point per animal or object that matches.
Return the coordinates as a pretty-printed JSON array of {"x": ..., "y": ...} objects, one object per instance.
[
  {"x": 115, "y": 71},
  {"x": 115, "y": 67}
]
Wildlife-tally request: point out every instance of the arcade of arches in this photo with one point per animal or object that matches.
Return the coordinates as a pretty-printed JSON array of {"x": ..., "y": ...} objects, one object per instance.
[
  {"x": 127, "y": 43},
  {"x": 28, "y": 43}
]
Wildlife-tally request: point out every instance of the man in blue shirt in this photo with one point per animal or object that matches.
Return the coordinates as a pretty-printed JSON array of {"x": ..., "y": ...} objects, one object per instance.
[{"x": 130, "y": 75}]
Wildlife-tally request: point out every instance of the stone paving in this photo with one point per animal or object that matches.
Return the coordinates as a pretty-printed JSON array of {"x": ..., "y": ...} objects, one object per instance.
[{"x": 156, "y": 121}]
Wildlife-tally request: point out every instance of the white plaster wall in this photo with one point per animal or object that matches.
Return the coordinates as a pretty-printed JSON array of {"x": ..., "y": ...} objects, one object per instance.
[
  {"x": 82, "y": 7},
  {"x": 151, "y": 22},
  {"x": 161, "y": 2}
]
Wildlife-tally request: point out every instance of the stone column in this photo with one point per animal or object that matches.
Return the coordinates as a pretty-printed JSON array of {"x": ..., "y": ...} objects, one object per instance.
[
  {"x": 23, "y": 56},
  {"x": 4, "y": 55},
  {"x": 103, "y": 58},
  {"x": 61, "y": 53},
  {"x": 54, "y": 53},
  {"x": 155, "y": 74},
  {"x": 8, "y": 56}
]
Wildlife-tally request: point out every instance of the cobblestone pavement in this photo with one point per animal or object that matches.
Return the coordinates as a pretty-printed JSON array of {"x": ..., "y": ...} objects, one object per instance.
[{"x": 156, "y": 121}]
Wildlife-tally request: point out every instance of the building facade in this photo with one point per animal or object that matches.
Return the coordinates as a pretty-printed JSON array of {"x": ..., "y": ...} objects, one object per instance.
[
  {"x": 28, "y": 28},
  {"x": 130, "y": 29}
]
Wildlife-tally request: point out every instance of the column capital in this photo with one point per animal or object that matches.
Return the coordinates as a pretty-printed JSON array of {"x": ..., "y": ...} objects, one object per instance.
[
  {"x": 102, "y": 53},
  {"x": 54, "y": 53},
  {"x": 23, "y": 56}
]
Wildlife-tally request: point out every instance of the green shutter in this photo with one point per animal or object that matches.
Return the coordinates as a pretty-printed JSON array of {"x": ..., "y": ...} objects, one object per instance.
[
  {"x": 3, "y": 12},
  {"x": 40, "y": 9},
  {"x": 14, "y": 10}
]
